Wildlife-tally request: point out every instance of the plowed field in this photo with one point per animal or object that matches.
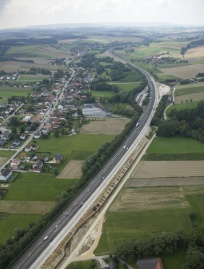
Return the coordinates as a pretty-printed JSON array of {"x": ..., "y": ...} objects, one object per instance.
[{"x": 158, "y": 169}]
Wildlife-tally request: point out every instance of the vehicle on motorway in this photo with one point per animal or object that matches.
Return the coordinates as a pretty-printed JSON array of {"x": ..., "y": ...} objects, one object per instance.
[
  {"x": 137, "y": 124},
  {"x": 46, "y": 237}
]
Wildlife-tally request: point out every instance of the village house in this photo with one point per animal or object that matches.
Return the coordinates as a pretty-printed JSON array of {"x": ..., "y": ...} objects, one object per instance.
[
  {"x": 28, "y": 148},
  {"x": 58, "y": 158},
  {"x": 15, "y": 164},
  {"x": 28, "y": 118},
  {"x": 23, "y": 136},
  {"x": 37, "y": 135},
  {"x": 155, "y": 263},
  {"x": 5, "y": 174},
  {"x": 35, "y": 147},
  {"x": 37, "y": 166}
]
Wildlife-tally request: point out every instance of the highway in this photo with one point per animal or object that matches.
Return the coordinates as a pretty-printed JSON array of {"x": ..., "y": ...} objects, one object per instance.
[{"x": 43, "y": 247}]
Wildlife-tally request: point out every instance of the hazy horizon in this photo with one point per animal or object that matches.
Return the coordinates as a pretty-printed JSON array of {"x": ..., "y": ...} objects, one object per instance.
[{"x": 24, "y": 13}]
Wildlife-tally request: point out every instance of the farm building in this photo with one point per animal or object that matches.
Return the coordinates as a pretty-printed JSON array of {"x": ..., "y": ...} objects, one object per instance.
[
  {"x": 155, "y": 263},
  {"x": 94, "y": 112}
]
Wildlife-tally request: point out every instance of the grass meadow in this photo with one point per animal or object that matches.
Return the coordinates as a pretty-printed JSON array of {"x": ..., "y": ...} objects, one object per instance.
[
  {"x": 120, "y": 226},
  {"x": 6, "y": 92},
  {"x": 99, "y": 94},
  {"x": 76, "y": 147},
  {"x": 10, "y": 222},
  {"x": 190, "y": 88},
  {"x": 126, "y": 87},
  {"x": 83, "y": 265},
  {"x": 182, "y": 106},
  {"x": 175, "y": 148},
  {"x": 32, "y": 78},
  {"x": 37, "y": 187}
]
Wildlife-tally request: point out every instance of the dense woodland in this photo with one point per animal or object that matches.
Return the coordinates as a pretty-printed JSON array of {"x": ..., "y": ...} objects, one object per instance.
[
  {"x": 164, "y": 244},
  {"x": 187, "y": 122}
]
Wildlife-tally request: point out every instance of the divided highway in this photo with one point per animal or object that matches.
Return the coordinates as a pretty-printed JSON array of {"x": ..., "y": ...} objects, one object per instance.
[{"x": 43, "y": 247}]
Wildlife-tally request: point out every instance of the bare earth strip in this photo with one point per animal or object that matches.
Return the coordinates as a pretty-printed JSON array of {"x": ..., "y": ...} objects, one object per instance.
[
  {"x": 28, "y": 207},
  {"x": 112, "y": 126},
  {"x": 197, "y": 96},
  {"x": 163, "y": 169},
  {"x": 146, "y": 199},
  {"x": 164, "y": 182},
  {"x": 3, "y": 160},
  {"x": 188, "y": 71},
  {"x": 72, "y": 170}
]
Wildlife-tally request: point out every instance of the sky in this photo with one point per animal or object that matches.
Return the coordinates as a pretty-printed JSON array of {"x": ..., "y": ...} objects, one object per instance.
[{"x": 22, "y": 13}]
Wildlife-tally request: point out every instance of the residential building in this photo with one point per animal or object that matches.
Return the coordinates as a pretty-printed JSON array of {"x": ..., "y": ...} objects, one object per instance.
[
  {"x": 58, "y": 158},
  {"x": 5, "y": 174},
  {"x": 15, "y": 164},
  {"x": 37, "y": 166}
]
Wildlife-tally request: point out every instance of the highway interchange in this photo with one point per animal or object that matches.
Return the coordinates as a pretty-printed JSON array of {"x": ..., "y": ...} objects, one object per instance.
[{"x": 44, "y": 246}]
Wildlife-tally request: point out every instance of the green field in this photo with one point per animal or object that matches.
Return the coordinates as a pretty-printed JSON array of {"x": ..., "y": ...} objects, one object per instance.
[
  {"x": 173, "y": 47},
  {"x": 76, "y": 147},
  {"x": 23, "y": 49},
  {"x": 10, "y": 222},
  {"x": 83, "y": 265},
  {"x": 182, "y": 106},
  {"x": 6, "y": 92},
  {"x": 163, "y": 77},
  {"x": 120, "y": 226},
  {"x": 6, "y": 153},
  {"x": 37, "y": 187},
  {"x": 175, "y": 260},
  {"x": 126, "y": 87},
  {"x": 99, "y": 94},
  {"x": 190, "y": 88},
  {"x": 32, "y": 78},
  {"x": 175, "y": 148}
]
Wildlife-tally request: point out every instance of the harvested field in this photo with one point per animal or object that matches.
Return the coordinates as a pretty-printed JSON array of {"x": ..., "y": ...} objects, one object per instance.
[
  {"x": 3, "y": 160},
  {"x": 72, "y": 170},
  {"x": 22, "y": 66},
  {"x": 163, "y": 169},
  {"x": 112, "y": 126},
  {"x": 191, "y": 97},
  {"x": 195, "y": 53},
  {"x": 164, "y": 182},
  {"x": 28, "y": 207},
  {"x": 185, "y": 72},
  {"x": 145, "y": 199},
  {"x": 36, "y": 60}
]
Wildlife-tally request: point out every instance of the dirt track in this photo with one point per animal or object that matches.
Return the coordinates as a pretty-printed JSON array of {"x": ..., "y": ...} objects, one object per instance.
[
  {"x": 72, "y": 170},
  {"x": 166, "y": 169}
]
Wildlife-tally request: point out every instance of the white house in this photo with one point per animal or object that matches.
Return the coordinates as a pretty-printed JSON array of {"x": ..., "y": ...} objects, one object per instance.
[{"x": 5, "y": 174}]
